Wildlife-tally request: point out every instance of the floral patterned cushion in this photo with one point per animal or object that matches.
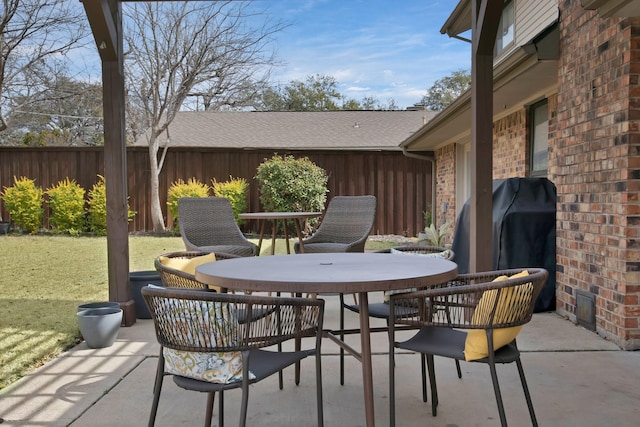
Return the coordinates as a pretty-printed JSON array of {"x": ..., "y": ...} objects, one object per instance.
[{"x": 215, "y": 367}]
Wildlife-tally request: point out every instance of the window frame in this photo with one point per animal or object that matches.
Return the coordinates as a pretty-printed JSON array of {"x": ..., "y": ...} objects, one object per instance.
[
  {"x": 532, "y": 126},
  {"x": 499, "y": 37}
]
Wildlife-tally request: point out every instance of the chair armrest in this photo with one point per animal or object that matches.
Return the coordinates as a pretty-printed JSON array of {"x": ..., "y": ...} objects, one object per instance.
[
  {"x": 454, "y": 304},
  {"x": 208, "y": 322}
]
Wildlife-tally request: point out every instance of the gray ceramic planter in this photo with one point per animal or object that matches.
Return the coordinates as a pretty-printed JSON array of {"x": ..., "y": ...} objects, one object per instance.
[{"x": 99, "y": 326}]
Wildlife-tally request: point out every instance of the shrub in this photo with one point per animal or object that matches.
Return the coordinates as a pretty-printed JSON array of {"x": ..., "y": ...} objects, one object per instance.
[
  {"x": 66, "y": 200},
  {"x": 179, "y": 189},
  {"x": 97, "y": 210},
  {"x": 236, "y": 191},
  {"x": 288, "y": 184},
  {"x": 24, "y": 203}
]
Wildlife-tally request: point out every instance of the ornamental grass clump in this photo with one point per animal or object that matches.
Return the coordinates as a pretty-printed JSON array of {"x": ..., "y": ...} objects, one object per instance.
[
  {"x": 66, "y": 202},
  {"x": 236, "y": 191},
  {"x": 24, "y": 202}
]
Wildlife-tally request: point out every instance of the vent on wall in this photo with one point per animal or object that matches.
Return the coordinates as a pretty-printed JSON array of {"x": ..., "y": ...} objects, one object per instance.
[{"x": 586, "y": 309}]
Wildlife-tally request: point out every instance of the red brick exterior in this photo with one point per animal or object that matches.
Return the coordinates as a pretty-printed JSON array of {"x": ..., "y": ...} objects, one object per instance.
[
  {"x": 446, "y": 184},
  {"x": 594, "y": 161},
  {"x": 595, "y": 164},
  {"x": 510, "y": 151}
]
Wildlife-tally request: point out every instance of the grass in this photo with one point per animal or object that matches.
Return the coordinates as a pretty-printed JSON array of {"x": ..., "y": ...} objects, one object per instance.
[{"x": 45, "y": 278}]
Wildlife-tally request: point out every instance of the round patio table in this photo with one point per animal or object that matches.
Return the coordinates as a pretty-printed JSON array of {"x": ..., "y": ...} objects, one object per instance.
[
  {"x": 296, "y": 217},
  {"x": 332, "y": 272}
]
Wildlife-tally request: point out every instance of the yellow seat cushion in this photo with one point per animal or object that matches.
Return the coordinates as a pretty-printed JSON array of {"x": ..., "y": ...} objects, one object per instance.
[
  {"x": 476, "y": 346},
  {"x": 188, "y": 265}
]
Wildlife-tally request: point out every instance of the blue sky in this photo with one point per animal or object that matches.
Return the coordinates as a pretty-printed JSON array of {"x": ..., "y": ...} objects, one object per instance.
[{"x": 381, "y": 48}]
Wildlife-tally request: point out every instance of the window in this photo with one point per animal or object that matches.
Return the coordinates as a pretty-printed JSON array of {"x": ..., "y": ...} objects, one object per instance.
[
  {"x": 539, "y": 131},
  {"x": 505, "y": 29}
]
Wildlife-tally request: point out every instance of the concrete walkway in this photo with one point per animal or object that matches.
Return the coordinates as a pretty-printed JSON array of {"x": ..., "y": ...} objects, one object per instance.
[{"x": 576, "y": 379}]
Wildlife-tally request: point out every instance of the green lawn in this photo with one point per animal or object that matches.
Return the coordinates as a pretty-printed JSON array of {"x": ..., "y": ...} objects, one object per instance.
[{"x": 45, "y": 278}]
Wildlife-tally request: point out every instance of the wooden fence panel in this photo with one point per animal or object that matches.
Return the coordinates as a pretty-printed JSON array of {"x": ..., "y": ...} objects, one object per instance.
[{"x": 401, "y": 184}]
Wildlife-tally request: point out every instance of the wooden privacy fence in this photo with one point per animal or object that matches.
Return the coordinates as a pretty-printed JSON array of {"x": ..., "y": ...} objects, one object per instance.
[{"x": 401, "y": 184}]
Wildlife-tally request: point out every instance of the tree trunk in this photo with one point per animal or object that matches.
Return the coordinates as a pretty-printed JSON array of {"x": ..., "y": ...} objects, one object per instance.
[{"x": 156, "y": 210}]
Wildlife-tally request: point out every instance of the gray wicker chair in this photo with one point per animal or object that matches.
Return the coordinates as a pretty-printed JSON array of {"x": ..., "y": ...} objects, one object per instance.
[
  {"x": 344, "y": 227},
  {"x": 179, "y": 326},
  {"x": 207, "y": 224},
  {"x": 471, "y": 302},
  {"x": 381, "y": 310}
]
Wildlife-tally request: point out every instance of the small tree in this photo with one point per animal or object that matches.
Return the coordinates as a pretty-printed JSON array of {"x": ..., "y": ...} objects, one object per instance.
[{"x": 288, "y": 184}]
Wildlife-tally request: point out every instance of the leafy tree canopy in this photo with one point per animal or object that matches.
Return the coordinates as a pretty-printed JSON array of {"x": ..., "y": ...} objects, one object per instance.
[
  {"x": 317, "y": 93},
  {"x": 446, "y": 90}
]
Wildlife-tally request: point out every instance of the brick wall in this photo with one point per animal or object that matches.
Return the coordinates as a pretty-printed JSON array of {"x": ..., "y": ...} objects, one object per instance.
[
  {"x": 446, "y": 184},
  {"x": 510, "y": 151},
  {"x": 595, "y": 164}
]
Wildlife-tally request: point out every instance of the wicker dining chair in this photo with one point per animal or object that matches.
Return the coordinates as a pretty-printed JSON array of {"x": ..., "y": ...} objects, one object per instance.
[
  {"x": 200, "y": 325},
  {"x": 344, "y": 227},
  {"x": 208, "y": 224},
  {"x": 175, "y": 278},
  {"x": 481, "y": 316},
  {"x": 381, "y": 310}
]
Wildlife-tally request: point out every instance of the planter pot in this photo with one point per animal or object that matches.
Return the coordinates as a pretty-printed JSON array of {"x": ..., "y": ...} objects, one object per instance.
[
  {"x": 137, "y": 281},
  {"x": 98, "y": 305},
  {"x": 422, "y": 237},
  {"x": 4, "y": 227},
  {"x": 99, "y": 326}
]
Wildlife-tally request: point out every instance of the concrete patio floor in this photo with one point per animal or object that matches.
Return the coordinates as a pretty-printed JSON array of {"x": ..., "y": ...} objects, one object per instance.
[{"x": 575, "y": 377}]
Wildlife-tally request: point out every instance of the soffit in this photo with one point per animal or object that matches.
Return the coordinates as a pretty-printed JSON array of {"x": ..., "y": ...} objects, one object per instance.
[
  {"x": 527, "y": 75},
  {"x": 614, "y": 8},
  {"x": 459, "y": 21}
]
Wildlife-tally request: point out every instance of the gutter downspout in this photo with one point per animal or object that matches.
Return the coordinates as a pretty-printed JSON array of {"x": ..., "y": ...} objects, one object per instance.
[{"x": 430, "y": 158}]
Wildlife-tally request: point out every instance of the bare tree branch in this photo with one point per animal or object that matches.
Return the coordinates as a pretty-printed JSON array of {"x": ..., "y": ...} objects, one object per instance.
[
  {"x": 34, "y": 34},
  {"x": 178, "y": 51}
]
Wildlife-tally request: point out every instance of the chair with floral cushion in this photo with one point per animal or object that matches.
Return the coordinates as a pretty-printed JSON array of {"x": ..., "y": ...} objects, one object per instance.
[
  {"x": 206, "y": 349},
  {"x": 475, "y": 318}
]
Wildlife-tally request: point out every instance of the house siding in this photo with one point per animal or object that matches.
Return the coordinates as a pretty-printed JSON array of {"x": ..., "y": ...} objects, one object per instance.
[
  {"x": 595, "y": 164},
  {"x": 533, "y": 16},
  {"x": 530, "y": 18}
]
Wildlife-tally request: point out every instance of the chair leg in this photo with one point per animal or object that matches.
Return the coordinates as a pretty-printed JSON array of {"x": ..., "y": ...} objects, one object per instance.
[
  {"x": 527, "y": 395},
  {"x": 221, "y": 409},
  {"x": 432, "y": 381},
  {"x": 392, "y": 382},
  {"x": 341, "y": 339},
  {"x": 245, "y": 389},
  {"x": 318, "y": 357},
  {"x": 458, "y": 368},
  {"x": 496, "y": 389},
  {"x": 209, "y": 415},
  {"x": 157, "y": 388},
  {"x": 423, "y": 366}
]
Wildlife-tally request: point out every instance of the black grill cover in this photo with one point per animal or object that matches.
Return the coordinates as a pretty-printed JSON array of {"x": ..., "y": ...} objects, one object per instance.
[{"x": 524, "y": 231}]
